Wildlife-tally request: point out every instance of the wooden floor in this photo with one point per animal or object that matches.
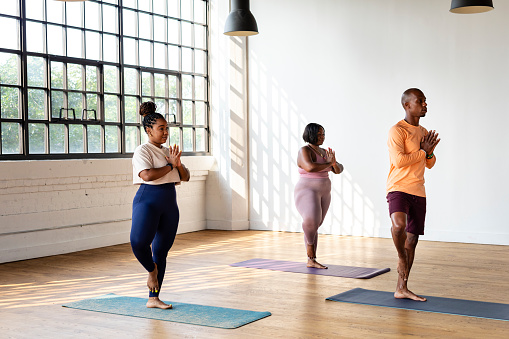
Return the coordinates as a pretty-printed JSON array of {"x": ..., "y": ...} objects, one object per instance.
[{"x": 32, "y": 291}]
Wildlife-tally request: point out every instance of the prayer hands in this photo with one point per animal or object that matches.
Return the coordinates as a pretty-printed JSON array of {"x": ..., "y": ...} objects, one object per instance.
[
  {"x": 429, "y": 142},
  {"x": 330, "y": 155},
  {"x": 174, "y": 157}
]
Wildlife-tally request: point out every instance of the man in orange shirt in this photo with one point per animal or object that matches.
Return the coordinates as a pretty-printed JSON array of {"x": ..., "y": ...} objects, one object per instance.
[{"x": 411, "y": 150}]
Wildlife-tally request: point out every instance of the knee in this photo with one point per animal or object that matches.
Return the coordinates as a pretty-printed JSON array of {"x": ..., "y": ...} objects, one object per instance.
[
  {"x": 411, "y": 240},
  {"x": 398, "y": 223}
]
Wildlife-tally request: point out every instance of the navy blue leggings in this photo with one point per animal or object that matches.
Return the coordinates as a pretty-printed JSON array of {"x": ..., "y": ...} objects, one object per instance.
[{"x": 155, "y": 221}]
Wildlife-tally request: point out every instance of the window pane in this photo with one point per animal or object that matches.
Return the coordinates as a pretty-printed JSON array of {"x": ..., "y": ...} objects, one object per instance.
[
  {"x": 187, "y": 60},
  {"x": 159, "y": 28},
  {"x": 130, "y": 109},
  {"x": 187, "y": 137},
  {"x": 200, "y": 139},
  {"x": 161, "y": 106},
  {"x": 172, "y": 109},
  {"x": 75, "y": 101},
  {"x": 200, "y": 86},
  {"x": 9, "y": 69},
  {"x": 144, "y": 136},
  {"x": 92, "y": 104},
  {"x": 129, "y": 22},
  {"x": 93, "y": 45},
  {"x": 173, "y": 58},
  {"x": 145, "y": 53},
  {"x": 175, "y": 136},
  {"x": 130, "y": 3},
  {"x": 187, "y": 33},
  {"x": 145, "y": 6},
  {"x": 200, "y": 11},
  {"x": 35, "y": 71},
  {"x": 9, "y": 104},
  {"x": 110, "y": 19},
  {"x": 91, "y": 79},
  {"x": 172, "y": 86},
  {"x": 36, "y": 139},
  {"x": 74, "y": 77},
  {"x": 160, "y": 7},
  {"x": 200, "y": 113},
  {"x": 10, "y": 7},
  {"x": 36, "y": 104},
  {"x": 57, "y": 74},
  {"x": 159, "y": 85},
  {"x": 186, "y": 9},
  {"x": 110, "y": 50},
  {"x": 74, "y": 43},
  {"x": 57, "y": 102},
  {"x": 11, "y": 138},
  {"x": 110, "y": 108},
  {"x": 10, "y": 40},
  {"x": 35, "y": 37},
  {"x": 94, "y": 139},
  {"x": 114, "y": 2},
  {"x": 130, "y": 51},
  {"x": 173, "y": 31},
  {"x": 111, "y": 79},
  {"x": 92, "y": 15},
  {"x": 160, "y": 56},
  {"x": 187, "y": 87},
  {"x": 76, "y": 143},
  {"x": 74, "y": 16},
  {"x": 146, "y": 84},
  {"x": 55, "y": 11},
  {"x": 111, "y": 139},
  {"x": 173, "y": 8},
  {"x": 130, "y": 81},
  {"x": 131, "y": 138},
  {"x": 199, "y": 36},
  {"x": 199, "y": 61},
  {"x": 145, "y": 26},
  {"x": 187, "y": 112},
  {"x": 55, "y": 39},
  {"x": 56, "y": 138}
]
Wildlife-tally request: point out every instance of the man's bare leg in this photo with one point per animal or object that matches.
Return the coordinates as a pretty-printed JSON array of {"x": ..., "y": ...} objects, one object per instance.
[
  {"x": 311, "y": 252},
  {"x": 406, "y": 251}
]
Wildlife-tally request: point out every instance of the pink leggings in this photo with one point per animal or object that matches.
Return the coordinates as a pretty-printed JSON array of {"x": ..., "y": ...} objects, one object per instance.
[{"x": 312, "y": 199}]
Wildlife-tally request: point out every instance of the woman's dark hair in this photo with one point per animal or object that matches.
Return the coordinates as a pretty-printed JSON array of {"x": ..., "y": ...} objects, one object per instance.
[
  {"x": 149, "y": 114},
  {"x": 311, "y": 131}
]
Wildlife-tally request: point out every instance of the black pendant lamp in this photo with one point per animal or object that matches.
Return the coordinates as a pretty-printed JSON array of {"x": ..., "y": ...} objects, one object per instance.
[
  {"x": 471, "y": 6},
  {"x": 240, "y": 21}
]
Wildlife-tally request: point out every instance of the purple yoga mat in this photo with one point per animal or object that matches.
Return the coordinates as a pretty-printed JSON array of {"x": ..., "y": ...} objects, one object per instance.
[{"x": 300, "y": 267}]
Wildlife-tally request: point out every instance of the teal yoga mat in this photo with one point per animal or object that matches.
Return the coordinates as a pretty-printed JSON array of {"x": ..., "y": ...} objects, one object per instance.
[
  {"x": 181, "y": 313},
  {"x": 469, "y": 308}
]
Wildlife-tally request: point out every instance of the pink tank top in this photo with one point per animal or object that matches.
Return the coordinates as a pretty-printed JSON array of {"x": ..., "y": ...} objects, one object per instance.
[{"x": 316, "y": 175}]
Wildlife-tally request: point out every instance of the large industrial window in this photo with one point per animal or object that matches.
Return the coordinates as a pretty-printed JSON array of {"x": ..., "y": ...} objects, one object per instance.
[{"x": 73, "y": 74}]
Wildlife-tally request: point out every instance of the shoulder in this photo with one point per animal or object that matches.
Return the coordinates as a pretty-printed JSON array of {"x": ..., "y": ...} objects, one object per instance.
[
  {"x": 423, "y": 130},
  {"x": 398, "y": 129}
]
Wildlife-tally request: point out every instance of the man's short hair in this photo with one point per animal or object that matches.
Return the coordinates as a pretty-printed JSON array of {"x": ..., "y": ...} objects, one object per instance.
[
  {"x": 311, "y": 131},
  {"x": 406, "y": 95}
]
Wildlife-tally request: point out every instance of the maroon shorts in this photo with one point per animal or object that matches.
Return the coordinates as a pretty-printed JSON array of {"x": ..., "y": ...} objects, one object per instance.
[{"x": 413, "y": 206}]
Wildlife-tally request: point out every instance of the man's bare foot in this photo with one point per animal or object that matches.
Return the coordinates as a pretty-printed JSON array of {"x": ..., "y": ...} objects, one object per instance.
[
  {"x": 407, "y": 294},
  {"x": 155, "y": 302},
  {"x": 315, "y": 264},
  {"x": 403, "y": 269},
  {"x": 152, "y": 283}
]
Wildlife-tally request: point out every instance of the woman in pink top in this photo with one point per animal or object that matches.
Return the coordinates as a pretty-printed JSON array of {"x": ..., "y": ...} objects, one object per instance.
[{"x": 313, "y": 191}]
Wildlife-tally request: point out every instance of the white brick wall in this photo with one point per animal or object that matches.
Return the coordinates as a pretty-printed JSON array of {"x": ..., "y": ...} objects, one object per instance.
[{"x": 54, "y": 207}]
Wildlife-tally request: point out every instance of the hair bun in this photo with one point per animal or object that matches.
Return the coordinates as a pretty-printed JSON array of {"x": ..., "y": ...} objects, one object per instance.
[{"x": 148, "y": 107}]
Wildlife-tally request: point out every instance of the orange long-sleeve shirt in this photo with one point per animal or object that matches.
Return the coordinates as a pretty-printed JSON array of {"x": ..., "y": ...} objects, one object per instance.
[{"x": 408, "y": 160}]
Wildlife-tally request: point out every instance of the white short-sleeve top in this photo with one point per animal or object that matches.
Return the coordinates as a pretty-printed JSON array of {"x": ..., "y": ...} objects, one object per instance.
[{"x": 147, "y": 156}]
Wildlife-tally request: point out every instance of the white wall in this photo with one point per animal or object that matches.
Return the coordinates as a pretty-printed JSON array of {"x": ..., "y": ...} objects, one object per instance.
[
  {"x": 344, "y": 64},
  {"x": 54, "y": 207}
]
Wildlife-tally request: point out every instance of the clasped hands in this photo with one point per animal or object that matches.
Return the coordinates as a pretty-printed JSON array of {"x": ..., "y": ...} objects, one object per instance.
[
  {"x": 174, "y": 157},
  {"x": 429, "y": 142}
]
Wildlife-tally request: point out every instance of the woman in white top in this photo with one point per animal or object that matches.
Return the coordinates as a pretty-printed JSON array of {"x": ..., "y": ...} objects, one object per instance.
[{"x": 156, "y": 169}]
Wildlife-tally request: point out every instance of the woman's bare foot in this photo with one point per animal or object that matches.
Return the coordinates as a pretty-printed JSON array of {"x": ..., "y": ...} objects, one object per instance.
[
  {"x": 407, "y": 294},
  {"x": 152, "y": 283},
  {"x": 155, "y": 302},
  {"x": 315, "y": 264}
]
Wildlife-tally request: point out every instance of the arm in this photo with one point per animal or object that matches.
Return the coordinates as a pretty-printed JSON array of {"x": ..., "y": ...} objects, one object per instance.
[
  {"x": 154, "y": 173},
  {"x": 397, "y": 153},
  {"x": 174, "y": 159},
  {"x": 337, "y": 168},
  {"x": 428, "y": 144},
  {"x": 305, "y": 161}
]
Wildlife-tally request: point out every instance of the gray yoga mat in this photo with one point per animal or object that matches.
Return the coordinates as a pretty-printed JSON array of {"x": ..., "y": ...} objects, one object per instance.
[
  {"x": 469, "y": 308},
  {"x": 300, "y": 267}
]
